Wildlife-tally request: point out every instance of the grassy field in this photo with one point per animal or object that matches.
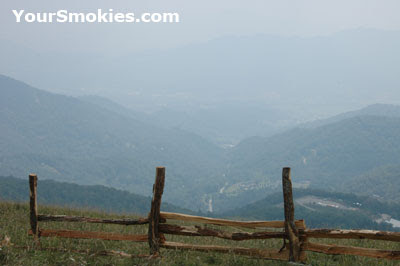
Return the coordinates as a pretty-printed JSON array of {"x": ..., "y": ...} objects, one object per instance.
[{"x": 14, "y": 224}]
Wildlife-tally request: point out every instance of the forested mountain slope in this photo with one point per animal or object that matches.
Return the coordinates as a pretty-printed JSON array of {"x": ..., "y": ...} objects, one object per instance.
[
  {"x": 97, "y": 197},
  {"x": 328, "y": 157},
  {"x": 64, "y": 138},
  {"x": 322, "y": 209},
  {"x": 92, "y": 141}
]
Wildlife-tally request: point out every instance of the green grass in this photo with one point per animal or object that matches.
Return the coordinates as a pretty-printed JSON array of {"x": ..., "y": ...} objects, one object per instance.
[{"x": 14, "y": 223}]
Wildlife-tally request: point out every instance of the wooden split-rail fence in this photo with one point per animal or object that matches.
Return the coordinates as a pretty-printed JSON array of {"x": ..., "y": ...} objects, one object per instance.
[{"x": 294, "y": 233}]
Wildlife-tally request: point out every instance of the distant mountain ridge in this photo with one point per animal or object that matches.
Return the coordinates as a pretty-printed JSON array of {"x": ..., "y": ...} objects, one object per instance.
[
  {"x": 330, "y": 157},
  {"x": 347, "y": 65},
  {"x": 94, "y": 141},
  {"x": 233, "y": 73},
  {"x": 370, "y": 140},
  {"x": 389, "y": 110},
  {"x": 218, "y": 124},
  {"x": 66, "y": 139}
]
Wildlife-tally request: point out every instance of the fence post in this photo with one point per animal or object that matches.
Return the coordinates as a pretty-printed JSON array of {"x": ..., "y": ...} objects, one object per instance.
[
  {"x": 33, "y": 206},
  {"x": 303, "y": 241},
  {"x": 290, "y": 227},
  {"x": 154, "y": 215}
]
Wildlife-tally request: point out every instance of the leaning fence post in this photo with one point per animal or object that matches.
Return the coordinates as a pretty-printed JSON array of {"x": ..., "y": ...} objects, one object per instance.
[
  {"x": 154, "y": 215},
  {"x": 33, "y": 206},
  {"x": 290, "y": 227}
]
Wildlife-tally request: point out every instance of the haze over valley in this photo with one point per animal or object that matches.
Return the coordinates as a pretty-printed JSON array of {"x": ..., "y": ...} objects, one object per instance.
[
  {"x": 229, "y": 88},
  {"x": 222, "y": 113},
  {"x": 225, "y": 132},
  {"x": 92, "y": 140}
]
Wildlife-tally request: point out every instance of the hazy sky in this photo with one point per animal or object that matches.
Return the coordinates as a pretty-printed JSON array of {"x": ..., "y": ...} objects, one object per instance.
[{"x": 200, "y": 21}]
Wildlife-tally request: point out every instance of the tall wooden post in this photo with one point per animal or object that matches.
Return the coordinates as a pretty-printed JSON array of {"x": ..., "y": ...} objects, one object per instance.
[
  {"x": 33, "y": 206},
  {"x": 154, "y": 215},
  {"x": 290, "y": 227}
]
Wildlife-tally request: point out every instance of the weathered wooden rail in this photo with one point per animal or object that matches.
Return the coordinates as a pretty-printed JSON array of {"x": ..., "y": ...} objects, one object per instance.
[
  {"x": 37, "y": 232},
  {"x": 65, "y": 218},
  {"x": 294, "y": 232}
]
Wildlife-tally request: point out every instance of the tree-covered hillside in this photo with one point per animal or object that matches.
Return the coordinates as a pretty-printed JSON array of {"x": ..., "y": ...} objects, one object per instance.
[
  {"x": 322, "y": 209},
  {"x": 383, "y": 182},
  {"x": 79, "y": 196},
  {"x": 327, "y": 157},
  {"x": 319, "y": 208},
  {"x": 64, "y": 138},
  {"x": 94, "y": 141}
]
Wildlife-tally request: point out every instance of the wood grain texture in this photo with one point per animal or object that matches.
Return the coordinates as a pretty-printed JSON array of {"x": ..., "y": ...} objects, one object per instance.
[
  {"x": 351, "y": 234},
  {"x": 90, "y": 235},
  {"x": 258, "y": 253},
  {"x": 202, "y": 231},
  {"x": 33, "y": 206},
  {"x": 224, "y": 222},
  {"x": 303, "y": 239},
  {"x": 290, "y": 227},
  {"x": 346, "y": 250},
  {"x": 65, "y": 218},
  {"x": 154, "y": 236}
]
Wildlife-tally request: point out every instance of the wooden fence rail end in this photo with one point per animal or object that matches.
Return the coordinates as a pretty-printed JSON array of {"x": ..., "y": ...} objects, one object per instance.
[
  {"x": 351, "y": 234},
  {"x": 349, "y": 250}
]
